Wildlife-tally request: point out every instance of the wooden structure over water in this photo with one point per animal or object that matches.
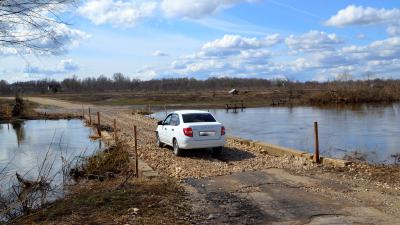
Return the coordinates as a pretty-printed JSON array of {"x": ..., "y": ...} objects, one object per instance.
[{"x": 235, "y": 106}]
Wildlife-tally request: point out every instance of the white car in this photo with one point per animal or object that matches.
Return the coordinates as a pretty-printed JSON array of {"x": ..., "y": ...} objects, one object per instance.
[{"x": 191, "y": 129}]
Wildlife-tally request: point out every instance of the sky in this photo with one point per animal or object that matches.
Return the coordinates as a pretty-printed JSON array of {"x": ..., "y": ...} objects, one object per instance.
[{"x": 310, "y": 40}]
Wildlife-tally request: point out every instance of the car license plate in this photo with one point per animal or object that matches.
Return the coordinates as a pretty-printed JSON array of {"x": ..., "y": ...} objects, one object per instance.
[{"x": 207, "y": 133}]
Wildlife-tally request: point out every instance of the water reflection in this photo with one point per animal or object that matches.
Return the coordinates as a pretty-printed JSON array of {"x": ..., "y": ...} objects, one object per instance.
[
  {"x": 366, "y": 131},
  {"x": 26, "y": 145},
  {"x": 18, "y": 127}
]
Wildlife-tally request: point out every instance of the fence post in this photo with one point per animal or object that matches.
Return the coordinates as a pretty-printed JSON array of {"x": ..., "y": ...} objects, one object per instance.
[
  {"x": 136, "y": 153},
  {"x": 115, "y": 130},
  {"x": 83, "y": 112},
  {"x": 98, "y": 124},
  {"x": 90, "y": 117},
  {"x": 316, "y": 150}
]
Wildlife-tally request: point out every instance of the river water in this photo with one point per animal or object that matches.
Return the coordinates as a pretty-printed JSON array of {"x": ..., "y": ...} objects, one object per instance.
[
  {"x": 29, "y": 146},
  {"x": 363, "y": 132}
]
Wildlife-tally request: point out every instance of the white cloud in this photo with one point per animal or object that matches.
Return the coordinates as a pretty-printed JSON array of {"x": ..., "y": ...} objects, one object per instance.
[
  {"x": 319, "y": 56},
  {"x": 235, "y": 45},
  {"x": 386, "y": 49},
  {"x": 68, "y": 65},
  {"x": 238, "y": 42},
  {"x": 117, "y": 12},
  {"x": 127, "y": 13},
  {"x": 360, "y": 36},
  {"x": 7, "y": 51},
  {"x": 359, "y": 15},
  {"x": 159, "y": 53},
  {"x": 146, "y": 73},
  {"x": 61, "y": 39},
  {"x": 64, "y": 66},
  {"x": 231, "y": 55},
  {"x": 195, "y": 9},
  {"x": 393, "y": 30},
  {"x": 313, "y": 41}
]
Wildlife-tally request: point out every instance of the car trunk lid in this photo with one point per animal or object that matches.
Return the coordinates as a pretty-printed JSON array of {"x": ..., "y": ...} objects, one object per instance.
[{"x": 206, "y": 131}]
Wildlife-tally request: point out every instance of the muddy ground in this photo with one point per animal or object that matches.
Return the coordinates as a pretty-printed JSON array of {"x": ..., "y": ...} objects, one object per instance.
[{"x": 245, "y": 186}]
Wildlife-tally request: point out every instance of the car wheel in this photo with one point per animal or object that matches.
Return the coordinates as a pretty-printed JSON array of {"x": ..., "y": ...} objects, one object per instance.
[
  {"x": 159, "y": 143},
  {"x": 177, "y": 150},
  {"x": 217, "y": 151}
]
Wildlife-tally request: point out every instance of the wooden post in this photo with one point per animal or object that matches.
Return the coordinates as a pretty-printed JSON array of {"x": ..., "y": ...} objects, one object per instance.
[
  {"x": 136, "y": 154},
  {"x": 83, "y": 112},
  {"x": 115, "y": 130},
  {"x": 316, "y": 153},
  {"x": 90, "y": 117},
  {"x": 98, "y": 124},
  {"x": 9, "y": 115}
]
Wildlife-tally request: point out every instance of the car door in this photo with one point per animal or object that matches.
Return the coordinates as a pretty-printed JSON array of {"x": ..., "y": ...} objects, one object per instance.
[
  {"x": 173, "y": 127},
  {"x": 163, "y": 132}
]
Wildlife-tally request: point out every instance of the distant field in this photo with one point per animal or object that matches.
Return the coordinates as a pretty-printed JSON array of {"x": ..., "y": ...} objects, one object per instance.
[
  {"x": 194, "y": 99},
  {"x": 291, "y": 94}
]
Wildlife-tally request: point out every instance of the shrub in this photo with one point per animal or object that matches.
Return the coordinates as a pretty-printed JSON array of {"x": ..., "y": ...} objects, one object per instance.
[{"x": 19, "y": 107}]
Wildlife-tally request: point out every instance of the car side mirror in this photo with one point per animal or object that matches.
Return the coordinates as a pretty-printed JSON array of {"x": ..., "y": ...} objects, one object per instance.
[{"x": 160, "y": 122}]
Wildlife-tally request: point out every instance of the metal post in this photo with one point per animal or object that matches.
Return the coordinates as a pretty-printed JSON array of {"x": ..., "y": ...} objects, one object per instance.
[
  {"x": 316, "y": 153},
  {"x": 98, "y": 124},
  {"x": 136, "y": 154}
]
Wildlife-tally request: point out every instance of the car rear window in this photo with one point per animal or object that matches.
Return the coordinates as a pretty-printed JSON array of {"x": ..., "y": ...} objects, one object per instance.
[{"x": 197, "y": 118}]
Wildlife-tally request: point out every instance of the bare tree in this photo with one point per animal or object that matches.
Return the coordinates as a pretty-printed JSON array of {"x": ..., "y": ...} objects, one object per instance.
[
  {"x": 32, "y": 25},
  {"x": 344, "y": 77}
]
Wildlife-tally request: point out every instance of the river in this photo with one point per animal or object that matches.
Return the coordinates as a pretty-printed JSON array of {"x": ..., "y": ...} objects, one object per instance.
[{"x": 365, "y": 132}]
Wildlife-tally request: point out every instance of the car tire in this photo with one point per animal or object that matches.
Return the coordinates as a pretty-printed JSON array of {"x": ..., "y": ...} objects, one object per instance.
[
  {"x": 159, "y": 143},
  {"x": 177, "y": 150},
  {"x": 217, "y": 151}
]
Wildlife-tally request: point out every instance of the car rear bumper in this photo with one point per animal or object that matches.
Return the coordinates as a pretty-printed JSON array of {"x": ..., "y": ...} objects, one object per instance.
[{"x": 193, "y": 144}]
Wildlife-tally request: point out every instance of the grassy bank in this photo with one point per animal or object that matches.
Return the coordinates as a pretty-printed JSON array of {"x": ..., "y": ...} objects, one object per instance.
[
  {"x": 107, "y": 202},
  {"x": 108, "y": 193},
  {"x": 116, "y": 199},
  {"x": 20, "y": 109}
]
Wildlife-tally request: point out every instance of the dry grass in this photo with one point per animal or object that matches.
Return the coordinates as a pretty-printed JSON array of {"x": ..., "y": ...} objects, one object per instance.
[
  {"x": 28, "y": 112},
  {"x": 353, "y": 94},
  {"x": 139, "y": 202},
  {"x": 114, "y": 159},
  {"x": 310, "y": 93}
]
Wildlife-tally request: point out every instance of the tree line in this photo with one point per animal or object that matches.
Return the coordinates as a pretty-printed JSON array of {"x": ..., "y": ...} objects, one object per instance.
[{"x": 119, "y": 82}]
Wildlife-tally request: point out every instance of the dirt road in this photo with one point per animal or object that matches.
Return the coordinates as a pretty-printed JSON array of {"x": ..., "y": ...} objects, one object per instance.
[{"x": 245, "y": 186}]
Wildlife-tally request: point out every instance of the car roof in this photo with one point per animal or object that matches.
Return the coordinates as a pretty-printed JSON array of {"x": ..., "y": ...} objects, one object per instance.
[{"x": 189, "y": 111}]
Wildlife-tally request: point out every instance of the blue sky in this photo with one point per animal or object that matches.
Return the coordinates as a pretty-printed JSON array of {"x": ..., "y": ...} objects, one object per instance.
[{"x": 298, "y": 40}]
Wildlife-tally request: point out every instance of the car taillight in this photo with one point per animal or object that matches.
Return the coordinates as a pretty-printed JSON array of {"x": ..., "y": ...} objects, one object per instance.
[
  {"x": 222, "y": 131},
  {"x": 188, "y": 132}
]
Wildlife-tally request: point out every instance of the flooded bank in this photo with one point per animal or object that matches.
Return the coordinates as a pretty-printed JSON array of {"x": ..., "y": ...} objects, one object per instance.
[
  {"x": 363, "y": 132},
  {"x": 34, "y": 147}
]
